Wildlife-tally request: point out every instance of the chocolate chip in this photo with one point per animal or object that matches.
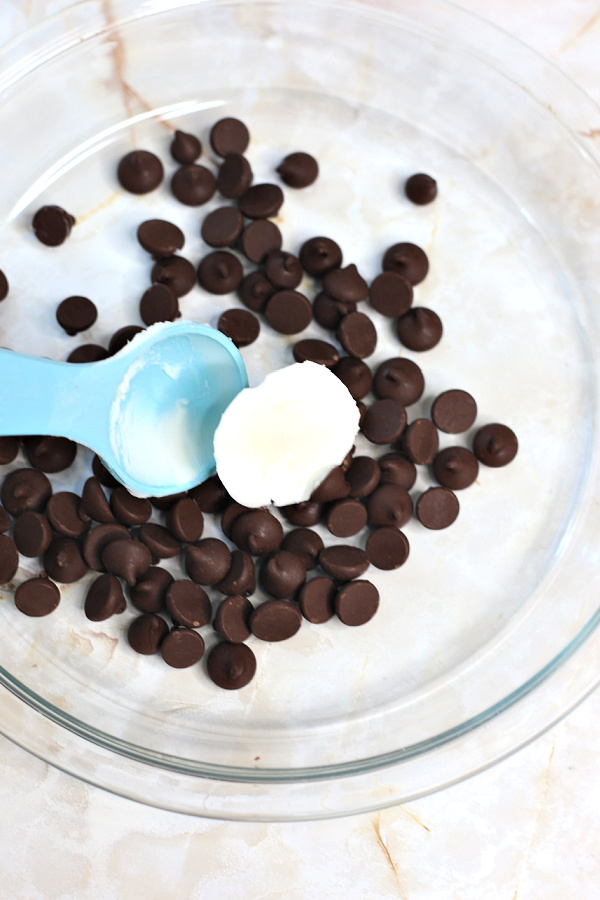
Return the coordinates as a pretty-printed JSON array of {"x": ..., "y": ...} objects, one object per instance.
[
  {"x": 3, "y": 286},
  {"x": 176, "y": 272},
  {"x": 159, "y": 237},
  {"x": 52, "y": 225},
  {"x": 5, "y": 521},
  {"x": 357, "y": 335},
  {"x": 397, "y": 469},
  {"x": 420, "y": 441},
  {"x": 363, "y": 476},
  {"x": 454, "y": 411},
  {"x": 355, "y": 374},
  {"x": 316, "y": 599},
  {"x": 258, "y": 532},
  {"x": 9, "y": 448},
  {"x": 305, "y": 513},
  {"x": 64, "y": 514},
  {"x": 24, "y": 490},
  {"x": 94, "y": 503},
  {"x": 37, "y": 597},
  {"x": 316, "y": 351},
  {"x": 121, "y": 338},
  {"x": 230, "y": 514},
  {"x": 437, "y": 508},
  {"x": 128, "y": 559},
  {"x": 104, "y": 598},
  {"x": 455, "y": 468},
  {"x": 9, "y": 558},
  {"x": 288, "y": 312},
  {"x": 419, "y": 329},
  {"x": 283, "y": 269},
  {"x": 305, "y": 544},
  {"x": 158, "y": 304},
  {"x": 87, "y": 353},
  {"x": 407, "y": 260},
  {"x": 240, "y": 325},
  {"x": 193, "y": 184},
  {"x": 185, "y": 148},
  {"x": 140, "y": 172},
  {"x": 254, "y": 290},
  {"x": 165, "y": 502},
  {"x": 32, "y": 534},
  {"x": 356, "y": 602},
  {"x": 96, "y": 540},
  {"x": 146, "y": 633},
  {"x": 149, "y": 593},
  {"x": 494, "y": 445},
  {"x": 275, "y": 620},
  {"x": 260, "y": 238},
  {"x": 232, "y": 619},
  {"x": 231, "y": 666},
  {"x": 346, "y": 517},
  {"x": 343, "y": 562},
  {"x": 241, "y": 577},
  {"x": 261, "y": 201},
  {"x": 399, "y": 379},
  {"x": 75, "y": 314},
  {"x": 384, "y": 421},
  {"x": 319, "y": 255},
  {"x": 159, "y": 540},
  {"x": 188, "y": 603},
  {"x": 391, "y": 294},
  {"x": 298, "y": 170},
  {"x": 389, "y": 504},
  {"x": 63, "y": 561},
  {"x": 229, "y": 135},
  {"x": 182, "y": 648},
  {"x": 211, "y": 496},
  {"x": 328, "y": 312},
  {"x": 420, "y": 188},
  {"x": 387, "y": 548},
  {"x": 222, "y": 227},
  {"x": 346, "y": 285},
  {"x": 49, "y": 454},
  {"x": 101, "y": 472},
  {"x": 235, "y": 176},
  {"x": 281, "y": 574},
  {"x": 128, "y": 509},
  {"x": 333, "y": 487},
  {"x": 220, "y": 272}
]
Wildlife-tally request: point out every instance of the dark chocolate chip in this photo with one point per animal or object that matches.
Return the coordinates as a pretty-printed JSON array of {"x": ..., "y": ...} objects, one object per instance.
[
  {"x": 316, "y": 599},
  {"x": 275, "y": 620},
  {"x": 101, "y": 472},
  {"x": 419, "y": 329},
  {"x": 5, "y": 521},
  {"x": 399, "y": 379},
  {"x": 222, "y": 227},
  {"x": 363, "y": 476},
  {"x": 104, "y": 598},
  {"x": 52, "y": 225},
  {"x": 211, "y": 496},
  {"x": 281, "y": 574},
  {"x": 220, "y": 272},
  {"x": 397, "y": 469},
  {"x": 49, "y": 454},
  {"x": 383, "y": 421},
  {"x": 37, "y": 597},
  {"x": 146, "y": 633},
  {"x": 128, "y": 509},
  {"x": 343, "y": 562},
  {"x": 149, "y": 593},
  {"x": 455, "y": 468},
  {"x": 391, "y": 294},
  {"x": 420, "y": 441},
  {"x": 160, "y": 238},
  {"x": 229, "y": 135},
  {"x": 185, "y": 148},
  {"x": 87, "y": 353},
  {"x": 254, "y": 290},
  {"x": 140, "y": 172},
  {"x": 232, "y": 619},
  {"x": 182, "y": 648},
  {"x": 389, "y": 504},
  {"x": 304, "y": 514},
  {"x": 240, "y": 325},
  {"x": 328, "y": 312},
  {"x": 185, "y": 520},
  {"x": 159, "y": 540},
  {"x": 158, "y": 304},
  {"x": 305, "y": 544},
  {"x": 320, "y": 255},
  {"x": 235, "y": 176},
  {"x": 208, "y": 561},
  {"x": 9, "y": 558},
  {"x": 167, "y": 501},
  {"x": 9, "y": 448},
  {"x": 346, "y": 517},
  {"x": 241, "y": 577},
  {"x": 333, "y": 487},
  {"x": 3, "y": 286},
  {"x": 258, "y": 532},
  {"x": 387, "y": 548},
  {"x": 32, "y": 534},
  {"x": 357, "y": 335},
  {"x": 63, "y": 561},
  {"x": 24, "y": 490},
  {"x": 231, "y": 666},
  {"x": 356, "y": 602},
  {"x": 316, "y": 351},
  {"x": 229, "y": 515},
  {"x": 75, "y": 314},
  {"x": 407, "y": 260},
  {"x": 355, "y": 374},
  {"x": 283, "y": 269},
  {"x": 193, "y": 184},
  {"x": 298, "y": 169},
  {"x": 260, "y": 238},
  {"x": 437, "y": 508},
  {"x": 96, "y": 540},
  {"x": 454, "y": 411},
  {"x": 261, "y": 201},
  {"x": 288, "y": 312},
  {"x": 64, "y": 514},
  {"x": 420, "y": 188},
  {"x": 188, "y": 603},
  {"x": 346, "y": 285},
  {"x": 176, "y": 272},
  {"x": 494, "y": 445},
  {"x": 121, "y": 338},
  {"x": 128, "y": 559},
  {"x": 94, "y": 503}
]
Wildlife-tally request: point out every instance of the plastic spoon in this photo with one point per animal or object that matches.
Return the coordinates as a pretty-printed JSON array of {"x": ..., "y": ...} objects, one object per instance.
[{"x": 149, "y": 412}]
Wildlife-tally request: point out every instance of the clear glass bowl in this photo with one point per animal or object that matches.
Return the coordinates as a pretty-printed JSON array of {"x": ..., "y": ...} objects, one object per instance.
[{"x": 489, "y": 633}]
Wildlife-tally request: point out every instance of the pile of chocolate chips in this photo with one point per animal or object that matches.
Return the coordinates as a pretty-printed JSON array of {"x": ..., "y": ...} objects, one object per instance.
[{"x": 124, "y": 539}]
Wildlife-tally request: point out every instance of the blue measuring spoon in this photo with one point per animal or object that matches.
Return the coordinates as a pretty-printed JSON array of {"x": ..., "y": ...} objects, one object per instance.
[{"x": 150, "y": 411}]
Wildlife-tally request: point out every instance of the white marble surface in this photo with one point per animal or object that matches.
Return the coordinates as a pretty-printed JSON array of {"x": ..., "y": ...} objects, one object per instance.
[{"x": 524, "y": 830}]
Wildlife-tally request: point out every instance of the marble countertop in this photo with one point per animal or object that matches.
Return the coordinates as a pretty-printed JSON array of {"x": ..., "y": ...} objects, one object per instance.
[{"x": 524, "y": 830}]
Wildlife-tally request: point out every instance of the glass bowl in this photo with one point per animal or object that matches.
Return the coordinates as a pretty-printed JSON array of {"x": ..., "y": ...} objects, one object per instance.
[{"x": 488, "y": 634}]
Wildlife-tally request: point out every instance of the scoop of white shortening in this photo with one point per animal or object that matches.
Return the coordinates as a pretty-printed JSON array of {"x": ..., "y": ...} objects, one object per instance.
[{"x": 276, "y": 442}]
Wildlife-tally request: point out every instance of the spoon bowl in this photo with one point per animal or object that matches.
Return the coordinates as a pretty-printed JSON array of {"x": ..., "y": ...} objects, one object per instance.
[{"x": 149, "y": 412}]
